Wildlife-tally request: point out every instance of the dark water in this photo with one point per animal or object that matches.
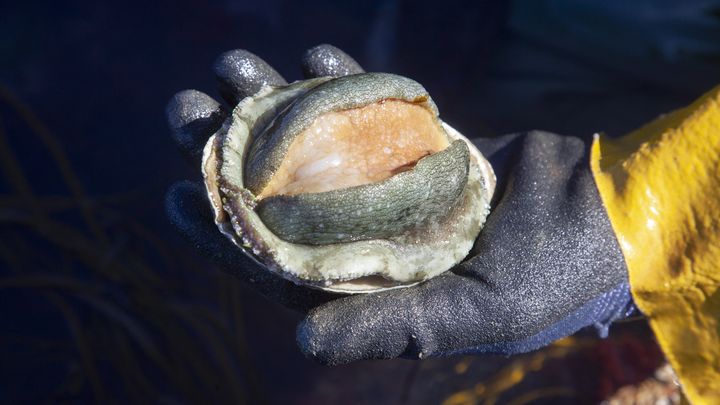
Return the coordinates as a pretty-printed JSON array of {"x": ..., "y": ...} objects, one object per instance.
[{"x": 101, "y": 300}]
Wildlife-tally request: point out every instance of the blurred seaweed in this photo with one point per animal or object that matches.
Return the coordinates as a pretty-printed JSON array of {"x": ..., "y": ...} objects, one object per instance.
[{"x": 126, "y": 331}]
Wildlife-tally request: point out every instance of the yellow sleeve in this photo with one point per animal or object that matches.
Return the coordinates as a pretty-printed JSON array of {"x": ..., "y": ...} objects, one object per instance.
[{"x": 661, "y": 188}]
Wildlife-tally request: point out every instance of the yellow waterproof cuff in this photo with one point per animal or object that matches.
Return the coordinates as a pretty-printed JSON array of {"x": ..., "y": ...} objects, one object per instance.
[{"x": 661, "y": 188}]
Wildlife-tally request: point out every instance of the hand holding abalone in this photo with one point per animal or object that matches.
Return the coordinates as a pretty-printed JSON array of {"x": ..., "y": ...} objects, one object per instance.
[{"x": 350, "y": 184}]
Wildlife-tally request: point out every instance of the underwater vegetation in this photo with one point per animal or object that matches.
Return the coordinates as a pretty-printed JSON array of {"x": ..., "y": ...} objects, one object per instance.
[{"x": 101, "y": 303}]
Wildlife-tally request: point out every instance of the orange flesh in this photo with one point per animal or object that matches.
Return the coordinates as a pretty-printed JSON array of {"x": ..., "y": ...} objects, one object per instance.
[{"x": 357, "y": 146}]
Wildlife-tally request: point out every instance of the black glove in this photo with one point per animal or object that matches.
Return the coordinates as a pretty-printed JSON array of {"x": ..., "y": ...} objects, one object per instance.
[
  {"x": 193, "y": 117},
  {"x": 546, "y": 264}
]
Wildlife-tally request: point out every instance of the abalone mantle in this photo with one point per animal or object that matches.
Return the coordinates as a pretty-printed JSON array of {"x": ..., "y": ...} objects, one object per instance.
[{"x": 386, "y": 228}]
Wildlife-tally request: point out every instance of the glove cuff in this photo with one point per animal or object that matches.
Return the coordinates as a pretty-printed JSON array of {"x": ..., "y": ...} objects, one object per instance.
[{"x": 612, "y": 306}]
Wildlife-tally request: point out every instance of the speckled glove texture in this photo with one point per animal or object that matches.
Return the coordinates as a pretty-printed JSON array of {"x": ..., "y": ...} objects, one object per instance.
[{"x": 546, "y": 264}]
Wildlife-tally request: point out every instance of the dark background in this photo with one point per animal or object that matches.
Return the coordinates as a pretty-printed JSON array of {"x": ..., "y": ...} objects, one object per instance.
[{"x": 101, "y": 300}]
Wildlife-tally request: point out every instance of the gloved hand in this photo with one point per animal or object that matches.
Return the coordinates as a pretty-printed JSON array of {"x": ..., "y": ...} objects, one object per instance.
[
  {"x": 193, "y": 117},
  {"x": 546, "y": 264}
]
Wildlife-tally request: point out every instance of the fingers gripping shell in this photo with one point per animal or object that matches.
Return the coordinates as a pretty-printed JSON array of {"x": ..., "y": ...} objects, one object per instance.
[{"x": 403, "y": 195}]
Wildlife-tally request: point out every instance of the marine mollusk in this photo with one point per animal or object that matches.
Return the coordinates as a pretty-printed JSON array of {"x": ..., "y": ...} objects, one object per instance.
[{"x": 349, "y": 184}]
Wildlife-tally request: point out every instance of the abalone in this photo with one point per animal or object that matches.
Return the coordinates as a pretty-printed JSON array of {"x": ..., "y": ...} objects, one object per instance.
[{"x": 350, "y": 184}]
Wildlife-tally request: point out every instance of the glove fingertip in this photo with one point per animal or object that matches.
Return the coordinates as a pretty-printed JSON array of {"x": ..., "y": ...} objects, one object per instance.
[
  {"x": 189, "y": 211},
  {"x": 241, "y": 74},
  {"x": 351, "y": 329},
  {"x": 327, "y": 60},
  {"x": 184, "y": 203},
  {"x": 310, "y": 340},
  {"x": 193, "y": 117}
]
